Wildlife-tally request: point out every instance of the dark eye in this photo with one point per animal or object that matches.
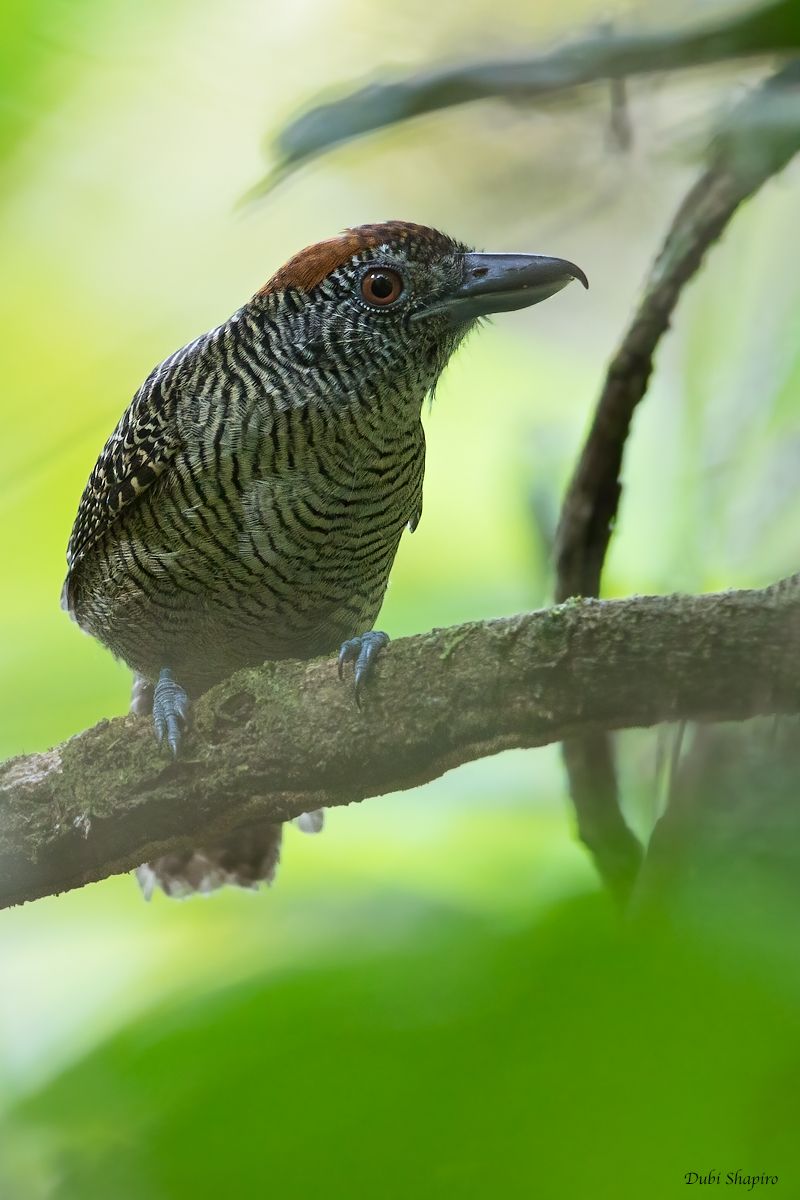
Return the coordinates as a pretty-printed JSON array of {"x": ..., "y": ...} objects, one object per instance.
[{"x": 381, "y": 287}]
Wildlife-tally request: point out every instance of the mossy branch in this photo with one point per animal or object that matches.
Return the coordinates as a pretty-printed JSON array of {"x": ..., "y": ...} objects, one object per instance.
[{"x": 286, "y": 738}]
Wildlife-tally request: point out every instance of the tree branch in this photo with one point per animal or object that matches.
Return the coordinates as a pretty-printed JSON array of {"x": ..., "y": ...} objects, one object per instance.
[
  {"x": 764, "y": 29},
  {"x": 760, "y": 136},
  {"x": 286, "y": 738}
]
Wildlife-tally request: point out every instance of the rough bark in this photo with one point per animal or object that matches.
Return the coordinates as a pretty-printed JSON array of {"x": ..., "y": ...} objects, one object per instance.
[{"x": 286, "y": 738}]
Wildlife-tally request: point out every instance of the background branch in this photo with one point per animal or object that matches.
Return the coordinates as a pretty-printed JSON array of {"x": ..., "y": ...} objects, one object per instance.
[
  {"x": 765, "y": 29},
  {"x": 757, "y": 141},
  {"x": 286, "y": 738},
  {"x": 759, "y": 138}
]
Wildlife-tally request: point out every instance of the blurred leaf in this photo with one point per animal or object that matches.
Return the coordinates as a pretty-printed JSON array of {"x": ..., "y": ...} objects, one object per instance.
[
  {"x": 564, "y": 1060},
  {"x": 726, "y": 853},
  {"x": 762, "y": 132},
  {"x": 767, "y": 29}
]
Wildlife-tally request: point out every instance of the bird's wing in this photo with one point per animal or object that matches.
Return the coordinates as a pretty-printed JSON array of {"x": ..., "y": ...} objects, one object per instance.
[{"x": 140, "y": 449}]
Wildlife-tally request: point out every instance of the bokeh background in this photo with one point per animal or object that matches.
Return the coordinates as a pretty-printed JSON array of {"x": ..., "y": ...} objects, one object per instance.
[{"x": 434, "y": 999}]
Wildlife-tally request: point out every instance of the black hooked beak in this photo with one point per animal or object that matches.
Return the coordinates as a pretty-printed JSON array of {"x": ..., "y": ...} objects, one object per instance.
[{"x": 502, "y": 282}]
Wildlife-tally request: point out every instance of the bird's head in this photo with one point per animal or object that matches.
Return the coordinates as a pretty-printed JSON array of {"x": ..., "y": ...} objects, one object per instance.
[{"x": 397, "y": 298}]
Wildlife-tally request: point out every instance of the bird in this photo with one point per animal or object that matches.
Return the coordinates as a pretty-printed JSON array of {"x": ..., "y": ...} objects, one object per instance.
[{"x": 250, "y": 502}]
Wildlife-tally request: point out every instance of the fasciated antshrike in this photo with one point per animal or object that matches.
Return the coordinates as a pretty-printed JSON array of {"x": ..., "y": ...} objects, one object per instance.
[{"x": 251, "y": 500}]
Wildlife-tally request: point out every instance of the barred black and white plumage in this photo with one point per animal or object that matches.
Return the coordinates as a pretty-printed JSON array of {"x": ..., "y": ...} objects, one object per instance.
[{"x": 251, "y": 500}]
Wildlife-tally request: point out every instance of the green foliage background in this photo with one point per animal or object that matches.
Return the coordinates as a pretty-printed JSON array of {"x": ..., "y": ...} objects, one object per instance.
[{"x": 434, "y": 999}]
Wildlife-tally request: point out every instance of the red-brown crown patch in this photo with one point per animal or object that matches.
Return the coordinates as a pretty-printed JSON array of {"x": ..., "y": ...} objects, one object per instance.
[{"x": 308, "y": 268}]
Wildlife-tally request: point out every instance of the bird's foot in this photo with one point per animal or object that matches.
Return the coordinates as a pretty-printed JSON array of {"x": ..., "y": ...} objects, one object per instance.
[
  {"x": 169, "y": 710},
  {"x": 363, "y": 650}
]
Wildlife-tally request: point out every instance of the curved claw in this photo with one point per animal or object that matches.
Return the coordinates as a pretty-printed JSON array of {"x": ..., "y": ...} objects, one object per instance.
[
  {"x": 169, "y": 710},
  {"x": 363, "y": 651}
]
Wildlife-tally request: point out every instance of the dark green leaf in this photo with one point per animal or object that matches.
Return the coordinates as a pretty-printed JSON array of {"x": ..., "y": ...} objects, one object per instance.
[{"x": 564, "y": 1060}]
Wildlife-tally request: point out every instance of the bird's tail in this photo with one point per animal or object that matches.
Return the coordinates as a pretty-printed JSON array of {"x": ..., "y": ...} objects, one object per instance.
[{"x": 247, "y": 857}]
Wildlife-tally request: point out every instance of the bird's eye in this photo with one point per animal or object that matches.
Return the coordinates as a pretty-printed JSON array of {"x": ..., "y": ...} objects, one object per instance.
[{"x": 381, "y": 287}]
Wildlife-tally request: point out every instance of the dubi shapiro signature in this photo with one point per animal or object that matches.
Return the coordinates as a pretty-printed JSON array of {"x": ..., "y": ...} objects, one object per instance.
[{"x": 748, "y": 1181}]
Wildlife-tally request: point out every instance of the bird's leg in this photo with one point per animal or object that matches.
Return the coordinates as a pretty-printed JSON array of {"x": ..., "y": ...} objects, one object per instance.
[
  {"x": 169, "y": 709},
  {"x": 364, "y": 650}
]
